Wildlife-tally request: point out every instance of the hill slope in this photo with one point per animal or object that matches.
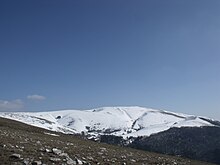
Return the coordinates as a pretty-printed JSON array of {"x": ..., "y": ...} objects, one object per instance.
[
  {"x": 191, "y": 142},
  {"x": 25, "y": 144}
]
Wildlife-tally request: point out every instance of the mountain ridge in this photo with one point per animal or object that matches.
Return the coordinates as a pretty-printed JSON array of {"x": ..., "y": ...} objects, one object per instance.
[{"x": 119, "y": 121}]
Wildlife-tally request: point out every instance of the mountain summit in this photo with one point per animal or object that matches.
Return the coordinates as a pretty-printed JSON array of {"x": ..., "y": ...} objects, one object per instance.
[{"x": 118, "y": 121}]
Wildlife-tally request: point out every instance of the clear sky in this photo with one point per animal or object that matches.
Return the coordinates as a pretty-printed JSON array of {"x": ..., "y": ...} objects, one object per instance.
[{"x": 80, "y": 54}]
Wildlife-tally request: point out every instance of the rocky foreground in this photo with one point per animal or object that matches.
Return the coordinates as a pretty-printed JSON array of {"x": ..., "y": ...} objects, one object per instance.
[{"x": 22, "y": 144}]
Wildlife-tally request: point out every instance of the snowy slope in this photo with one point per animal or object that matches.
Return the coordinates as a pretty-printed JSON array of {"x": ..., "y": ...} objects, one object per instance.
[{"x": 120, "y": 121}]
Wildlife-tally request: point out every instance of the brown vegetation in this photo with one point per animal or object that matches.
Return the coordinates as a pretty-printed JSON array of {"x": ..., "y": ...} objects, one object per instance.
[{"x": 24, "y": 144}]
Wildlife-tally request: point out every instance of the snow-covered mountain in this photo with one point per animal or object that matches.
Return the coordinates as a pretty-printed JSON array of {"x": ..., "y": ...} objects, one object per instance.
[{"x": 119, "y": 121}]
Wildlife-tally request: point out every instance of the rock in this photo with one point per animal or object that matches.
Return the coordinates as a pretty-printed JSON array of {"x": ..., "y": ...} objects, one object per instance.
[
  {"x": 103, "y": 149},
  {"x": 90, "y": 158},
  {"x": 100, "y": 153},
  {"x": 15, "y": 156},
  {"x": 71, "y": 162},
  {"x": 69, "y": 144},
  {"x": 55, "y": 159},
  {"x": 84, "y": 162},
  {"x": 47, "y": 150},
  {"x": 26, "y": 162},
  {"x": 3, "y": 145},
  {"x": 132, "y": 160},
  {"x": 123, "y": 157},
  {"x": 64, "y": 154},
  {"x": 56, "y": 151},
  {"x": 79, "y": 162}
]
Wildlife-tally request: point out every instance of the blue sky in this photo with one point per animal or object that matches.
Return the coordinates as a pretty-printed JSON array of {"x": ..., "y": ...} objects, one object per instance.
[{"x": 84, "y": 54}]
